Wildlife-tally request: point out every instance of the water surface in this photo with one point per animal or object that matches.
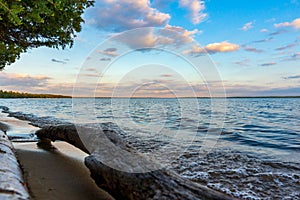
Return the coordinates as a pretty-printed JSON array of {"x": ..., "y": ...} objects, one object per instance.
[{"x": 250, "y": 149}]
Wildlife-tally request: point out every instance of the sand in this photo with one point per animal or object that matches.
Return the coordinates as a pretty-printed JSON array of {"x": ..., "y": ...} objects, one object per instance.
[{"x": 55, "y": 174}]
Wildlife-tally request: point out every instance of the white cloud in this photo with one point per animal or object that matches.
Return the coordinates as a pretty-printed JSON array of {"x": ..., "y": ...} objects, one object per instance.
[
  {"x": 177, "y": 35},
  {"x": 195, "y": 8},
  {"x": 151, "y": 37},
  {"x": 120, "y": 15},
  {"x": 295, "y": 24},
  {"x": 247, "y": 26},
  {"x": 264, "y": 30},
  {"x": 224, "y": 46}
]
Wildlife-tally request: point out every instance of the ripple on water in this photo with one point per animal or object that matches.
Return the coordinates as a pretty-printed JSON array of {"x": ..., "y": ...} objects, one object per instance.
[{"x": 242, "y": 175}]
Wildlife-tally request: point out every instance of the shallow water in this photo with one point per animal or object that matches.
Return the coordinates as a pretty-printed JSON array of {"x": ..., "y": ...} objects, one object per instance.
[{"x": 246, "y": 147}]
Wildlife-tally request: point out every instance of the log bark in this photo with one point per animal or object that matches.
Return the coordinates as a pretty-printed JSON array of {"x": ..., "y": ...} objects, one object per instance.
[
  {"x": 158, "y": 184},
  {"x": 12, "y": 185},
  {"x": 67, "y": 133}
]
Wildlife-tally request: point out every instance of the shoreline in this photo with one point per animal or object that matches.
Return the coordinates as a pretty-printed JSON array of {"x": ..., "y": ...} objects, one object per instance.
[{"x": 52, "y": 174}]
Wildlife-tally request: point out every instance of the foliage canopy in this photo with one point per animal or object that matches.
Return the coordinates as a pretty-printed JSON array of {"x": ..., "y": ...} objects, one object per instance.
[{"x": 26, "y": 24}]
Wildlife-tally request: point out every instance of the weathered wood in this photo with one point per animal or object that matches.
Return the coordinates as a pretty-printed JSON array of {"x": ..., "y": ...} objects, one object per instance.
[
  {"x": 12, "y": 185},
  {"x": 67, "y": 133},
  {"x": 158, "y": 184},
  {"x": 4, "y": 127}
]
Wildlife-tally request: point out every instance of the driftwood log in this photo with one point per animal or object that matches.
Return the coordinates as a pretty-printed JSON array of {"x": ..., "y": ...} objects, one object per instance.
[
  {"x": 12, "y": 185},
  {"x": 158, "y": 184}
]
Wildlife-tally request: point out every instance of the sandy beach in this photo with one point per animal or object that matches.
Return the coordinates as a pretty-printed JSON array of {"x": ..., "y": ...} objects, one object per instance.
[{"x": 56, "y": 174}]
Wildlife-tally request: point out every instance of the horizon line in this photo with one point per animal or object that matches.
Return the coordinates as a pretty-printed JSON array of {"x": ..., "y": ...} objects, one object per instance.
[{"x": 275, "y": 96}]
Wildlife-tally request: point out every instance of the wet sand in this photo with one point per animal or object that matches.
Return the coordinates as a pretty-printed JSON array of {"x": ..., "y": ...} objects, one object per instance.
[
  {"x": 16, "y": 126},
  {"x": 56, "y": 174}
]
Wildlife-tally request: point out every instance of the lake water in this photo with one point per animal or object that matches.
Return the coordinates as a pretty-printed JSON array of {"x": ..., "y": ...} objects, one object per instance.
[{"x": 246, "y": 147}]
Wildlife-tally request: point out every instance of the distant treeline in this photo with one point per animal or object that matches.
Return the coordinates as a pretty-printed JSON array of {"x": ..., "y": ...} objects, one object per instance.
[{"x": 11, "y": 94}]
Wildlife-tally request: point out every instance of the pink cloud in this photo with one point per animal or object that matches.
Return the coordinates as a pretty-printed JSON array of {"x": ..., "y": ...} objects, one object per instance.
[
  {"x": 216, "y": 47},
  {"x": 295, "y": 24},
  {"x": 109, "y": 52},
  {"x": 264, "y": 30},
  {"x": 252, "y": 49}
]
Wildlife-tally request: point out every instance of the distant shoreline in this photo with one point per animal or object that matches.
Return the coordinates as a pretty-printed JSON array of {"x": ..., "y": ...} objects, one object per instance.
[
  {"x": 22, "y": 95},
  {"x": 232, "y": 97},
  {"x": 19, "y": 95}
]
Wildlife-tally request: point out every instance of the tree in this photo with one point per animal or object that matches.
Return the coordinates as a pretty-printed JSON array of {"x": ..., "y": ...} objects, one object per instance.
[{"x": 26, "y": 24}]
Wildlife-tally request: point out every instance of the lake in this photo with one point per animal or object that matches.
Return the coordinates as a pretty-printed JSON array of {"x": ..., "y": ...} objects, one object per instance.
[{"x": 246, "y": 147}]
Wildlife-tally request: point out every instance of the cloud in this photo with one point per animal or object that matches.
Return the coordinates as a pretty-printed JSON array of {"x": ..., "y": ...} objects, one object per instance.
[
  {"x": 59, "y": 61},
  {"x": 176, "y": 35},
  {"x": 109, "y": 52},
  {"x": 143, "y": 38},
  {"x": 243, "y": 63},
  {"x": 156, "y": 88},
  {"x": 221, "y": 47},
  {"x": 91, "y": 69},
  {"x": 259, "y": 90},
  {"x": 120, "y": 15},
  {"x": 224, "y": 46},
  {"x": 92, "y": 75},
  {"x": 195, "y": 8},
  {"x": 166, "y": 75},
  {"x": 105, "y": 59},
  {"x": 151, "y": 37},
  {"x": 292, "y": 77},
  {"x": 268, "y": 64},
  {"x": 290, "y": 91},
  {"x": 285, "y": 47},
  {"x": 264, "y": 30},
  {"x": 263, "y": 40},
  {"x": 22, "y": 80},
  {"x": 251, "y": 49},
  {"x": 247, "y": 26},
  {"x": 295, "y": 24},
  {"x": 294, "y": 57},
  {"x": 278, "y": 32}
]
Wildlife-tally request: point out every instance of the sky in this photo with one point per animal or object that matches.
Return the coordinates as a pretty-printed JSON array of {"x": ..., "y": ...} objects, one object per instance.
[{"x": 168, "y": 48}]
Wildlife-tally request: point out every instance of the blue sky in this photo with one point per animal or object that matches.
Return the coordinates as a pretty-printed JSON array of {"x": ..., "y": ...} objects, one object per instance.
[{"x": 251, "y": 48}]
